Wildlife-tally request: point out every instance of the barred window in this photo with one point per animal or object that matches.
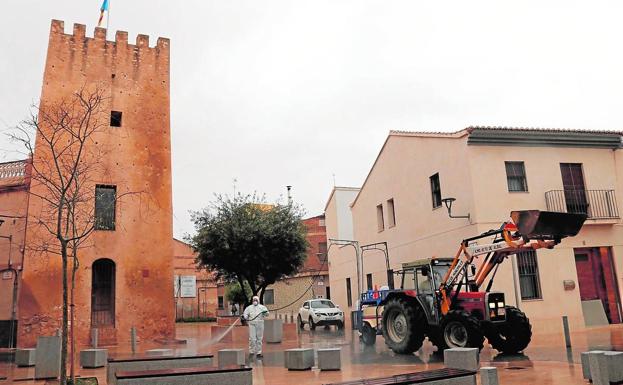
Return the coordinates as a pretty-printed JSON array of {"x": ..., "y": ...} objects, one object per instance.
[
  {"x": 529, "y": 282},
  {"x": 105, "y": 202},
  {"x": 435, "y": 189},
  {"x": 516, "y": 176}
]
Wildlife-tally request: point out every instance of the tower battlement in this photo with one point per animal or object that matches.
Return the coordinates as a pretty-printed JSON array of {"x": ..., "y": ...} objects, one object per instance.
[{"x": 121, "y": 37}]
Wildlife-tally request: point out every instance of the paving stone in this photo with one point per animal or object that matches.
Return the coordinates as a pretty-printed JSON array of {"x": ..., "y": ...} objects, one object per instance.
[
  {"x": 462, "y": 358},
  {"x": 159, "y": 352},
  {"x": 25, "y": 357},
  {"x": 227, "y": 357},
  {"x": 489, "y": 376},
  {"x": 273, "y": 330},
  {"x": 93, "y": 358},
  {"x": 329, "y": 359},
  {"x": 598, "y": 364},
  {"x": 48, "y": 357},
  {"x": 586, "y": 370},
  {"x": 299, "y": 359}
]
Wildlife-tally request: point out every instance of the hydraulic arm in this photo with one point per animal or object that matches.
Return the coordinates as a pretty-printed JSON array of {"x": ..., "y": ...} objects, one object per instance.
[{"x": 527, "y": 230}]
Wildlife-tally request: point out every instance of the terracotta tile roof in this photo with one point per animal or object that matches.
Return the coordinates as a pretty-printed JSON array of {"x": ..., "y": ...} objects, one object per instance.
[{"x": 469, "y": 129}]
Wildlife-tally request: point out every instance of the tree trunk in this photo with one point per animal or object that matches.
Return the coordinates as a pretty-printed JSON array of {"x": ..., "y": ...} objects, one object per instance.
[
  {"x": 244, "y": 292},
  {"x": 72, "y": 305},
  {"x": 64, "y": 325},
  {"x": 262, "y": 291}
]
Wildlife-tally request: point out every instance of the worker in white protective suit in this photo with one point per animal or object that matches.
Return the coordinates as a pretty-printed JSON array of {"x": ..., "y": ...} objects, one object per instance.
[{"x": 254, "y": 315}]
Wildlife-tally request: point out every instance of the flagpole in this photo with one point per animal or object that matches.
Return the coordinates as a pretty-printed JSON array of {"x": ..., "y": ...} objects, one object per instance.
[{"x": 108, "y": 17}]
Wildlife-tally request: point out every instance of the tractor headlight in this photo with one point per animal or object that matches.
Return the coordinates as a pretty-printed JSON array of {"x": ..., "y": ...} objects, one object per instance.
[
  {"x": 501, "y": 311},
  {"x": 491, "y": 305},
  {"x": 500, "y": 304}
]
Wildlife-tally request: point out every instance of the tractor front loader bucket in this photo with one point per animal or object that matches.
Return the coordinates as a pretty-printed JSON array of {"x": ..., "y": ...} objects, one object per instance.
[{"x": 545, "y": 225}]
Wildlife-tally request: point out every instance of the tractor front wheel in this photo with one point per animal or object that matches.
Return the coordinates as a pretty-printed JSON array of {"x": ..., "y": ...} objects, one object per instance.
[
  {"x": 460, "y": 330},
  {"x": 512, "y": 336},
  {"x": 403, "y": 326},
  {"x": 368, "y": 334}
]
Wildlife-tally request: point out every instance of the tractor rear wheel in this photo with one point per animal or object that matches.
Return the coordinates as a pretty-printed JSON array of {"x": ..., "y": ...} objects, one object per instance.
[
  {"x": 512, "y": 336},
  {"x": 403, "y": 326},
  {"x": 460, "y": 330}
]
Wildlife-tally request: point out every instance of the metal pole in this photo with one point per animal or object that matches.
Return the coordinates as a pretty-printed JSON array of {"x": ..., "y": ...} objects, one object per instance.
[
  {"x": 133, "y": 339},
  {"x": 565, "y": 326},
  {"x": 94, "y": 337},
  {"x": 515, "y": 284}
]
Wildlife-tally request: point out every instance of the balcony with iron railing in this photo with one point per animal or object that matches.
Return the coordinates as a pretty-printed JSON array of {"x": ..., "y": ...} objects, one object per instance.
[
  {"x": 597, "y": 204},
  {"x": 14, "y": 173}
]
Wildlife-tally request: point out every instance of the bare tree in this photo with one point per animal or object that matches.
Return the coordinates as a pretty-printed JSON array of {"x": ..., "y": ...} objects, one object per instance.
[{"x": 67, "y": 160}]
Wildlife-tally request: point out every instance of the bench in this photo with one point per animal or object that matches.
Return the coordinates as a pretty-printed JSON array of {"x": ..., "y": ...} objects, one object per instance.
[
  {"x": 204, "y": 375},
  {"x": 446, "y": 376},
  {"x": 142, "y": 363}
]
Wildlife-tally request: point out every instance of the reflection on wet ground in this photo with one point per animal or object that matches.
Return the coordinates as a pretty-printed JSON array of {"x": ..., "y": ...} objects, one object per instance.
[{"x": 545, "y": 361}]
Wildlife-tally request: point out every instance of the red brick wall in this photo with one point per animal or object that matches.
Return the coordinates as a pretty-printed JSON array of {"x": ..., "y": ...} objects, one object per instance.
[{"x": 316, "y": 233}]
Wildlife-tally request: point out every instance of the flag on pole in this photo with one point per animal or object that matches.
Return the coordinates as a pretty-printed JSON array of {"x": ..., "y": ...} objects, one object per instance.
[{"x": 103, "y": 9}]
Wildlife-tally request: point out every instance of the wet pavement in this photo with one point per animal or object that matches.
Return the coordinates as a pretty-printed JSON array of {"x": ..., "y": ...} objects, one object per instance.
[{"x": 545, "y": 361}]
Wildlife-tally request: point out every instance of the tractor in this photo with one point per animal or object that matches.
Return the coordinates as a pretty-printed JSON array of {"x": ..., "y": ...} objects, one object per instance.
[{"x": 441, "y": 298}]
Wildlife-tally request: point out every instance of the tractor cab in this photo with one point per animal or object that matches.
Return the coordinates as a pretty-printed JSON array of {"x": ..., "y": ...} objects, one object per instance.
[{"x": 421, "y": 279}]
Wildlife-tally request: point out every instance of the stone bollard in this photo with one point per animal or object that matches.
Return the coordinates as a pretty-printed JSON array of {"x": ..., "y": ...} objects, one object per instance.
[
  {"x": 565, "y": 327},
  {"x": 489, "y": 376},
  {"x": 25, "y": 357},
  {"x": 48, "y": 358},
  {"x": 598, "y": 365},
  {"x": 462, "y": 358},
  {"x": 93, "y": 358},
  {"x": 299, "y": 359},
  {"x": 227, "y": 357},
  {"x": 273, "y": 330},
  {"x": 586, "y": 370},
  {"x": 615, "y": 366},
  {"x": 329, "y": 359}
]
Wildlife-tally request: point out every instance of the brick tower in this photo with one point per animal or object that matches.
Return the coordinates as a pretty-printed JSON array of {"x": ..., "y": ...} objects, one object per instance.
[{"x": 125, "y": 278}]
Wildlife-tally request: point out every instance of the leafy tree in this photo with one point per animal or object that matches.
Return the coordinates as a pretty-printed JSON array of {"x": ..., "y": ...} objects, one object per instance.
[
  {"x": 244, "y": 239},
  {"x": 235, "y": 294}
]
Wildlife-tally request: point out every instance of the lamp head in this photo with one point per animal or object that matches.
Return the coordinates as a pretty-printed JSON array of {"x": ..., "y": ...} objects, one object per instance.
[{"x": 448, "y": 202}]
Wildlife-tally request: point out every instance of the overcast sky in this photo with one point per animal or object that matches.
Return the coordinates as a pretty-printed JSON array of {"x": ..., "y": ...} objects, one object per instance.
[{"x": 285, "y": 92}]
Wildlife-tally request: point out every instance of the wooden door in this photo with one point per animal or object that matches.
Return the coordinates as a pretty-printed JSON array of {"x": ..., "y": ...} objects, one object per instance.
[
  {"x": 597, "y": 279},
  {"x": 103, "y": 293},
  {"x": 574, "y": 188}
]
